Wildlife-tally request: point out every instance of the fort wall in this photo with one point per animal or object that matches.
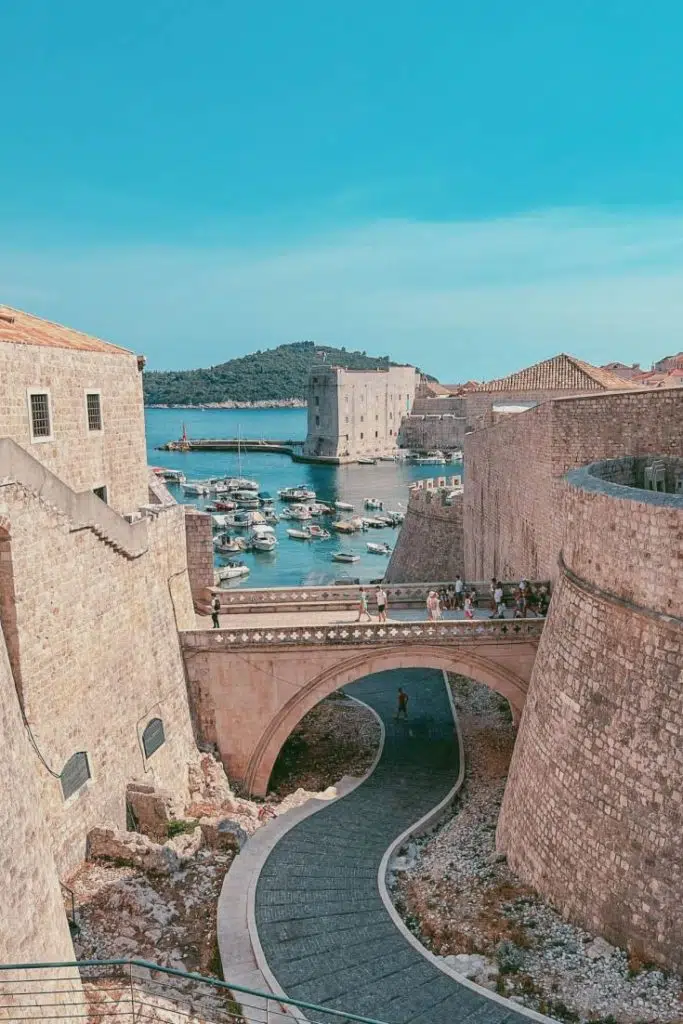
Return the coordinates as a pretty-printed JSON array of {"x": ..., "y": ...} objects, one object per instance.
[
  {"x": 199, "y": 544},
  {"x": 430, "y": 542},
  {"x": 514, "y": 469},
  {"x": 33, "y": 925},
  {"x": 593, "y": 808},
  {"x": 113, "y": 457},
  {"x": 95, "y": 641}
]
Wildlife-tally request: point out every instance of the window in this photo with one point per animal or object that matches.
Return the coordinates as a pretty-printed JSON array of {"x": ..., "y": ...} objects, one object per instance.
[
  {"x": 94, "y": 407},
  {"x": 377, "y": 433},
  {"x": 391, "y": 415},
  {"x": 346, "y": 437},
  {"x": 361, "y": 436},
  {"x": 317, "y": 400},
  {"x": 391, "y": 433},
  {"x": 361, "y": 419},
  {"x": 315, "y": 380},
  {"x": 347, "y": 419},
  {"x": 75, "y": 774},
  {"x": 41, "y": 421},
  {"x": 317, "y": 421},
  {"x": 153, "y": 737},
  {"x": 101, "y": 493},
  {"x": 376, "y": 418}
]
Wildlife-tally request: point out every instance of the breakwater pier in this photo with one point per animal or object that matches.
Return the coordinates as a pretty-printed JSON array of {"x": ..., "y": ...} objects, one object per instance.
[{"x": 232, "y": 444}]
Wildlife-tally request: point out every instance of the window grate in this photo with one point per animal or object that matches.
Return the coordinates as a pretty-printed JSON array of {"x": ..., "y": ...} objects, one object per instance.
[
  {"x": 94, "y": 411},
  {"x": 153, "y": 737},
  {"x": 75, "y": 774},
  {"x": 40, "y": 415}
]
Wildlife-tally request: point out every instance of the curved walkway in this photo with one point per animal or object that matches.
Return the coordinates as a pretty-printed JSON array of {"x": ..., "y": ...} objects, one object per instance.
[{"x": 323, "y": 927}]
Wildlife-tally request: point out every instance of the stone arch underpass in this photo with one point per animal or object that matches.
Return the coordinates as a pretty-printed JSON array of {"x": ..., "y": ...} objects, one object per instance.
[{"x": 249, "y": 689}]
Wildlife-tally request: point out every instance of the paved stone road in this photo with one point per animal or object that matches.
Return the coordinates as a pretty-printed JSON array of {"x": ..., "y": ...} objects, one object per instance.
[{"x": 324, "y": 929}]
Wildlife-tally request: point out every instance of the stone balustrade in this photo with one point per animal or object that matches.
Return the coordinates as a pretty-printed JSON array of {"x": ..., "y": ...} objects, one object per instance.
[
  {"x": 400, "y": 595},
  {"x": 452, "y": 631}
]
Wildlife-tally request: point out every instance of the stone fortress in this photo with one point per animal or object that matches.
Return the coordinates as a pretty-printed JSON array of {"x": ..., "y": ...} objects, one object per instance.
[
  {"x": 578, "y": 482},
  {"x": 356, "y": 414}
]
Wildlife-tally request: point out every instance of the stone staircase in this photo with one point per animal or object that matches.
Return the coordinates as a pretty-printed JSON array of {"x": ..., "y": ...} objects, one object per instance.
[{"x": 83, "y": 509}]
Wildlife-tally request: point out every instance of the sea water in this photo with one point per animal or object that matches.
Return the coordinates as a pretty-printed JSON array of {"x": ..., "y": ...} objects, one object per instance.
[{"x": 292, "y": 562}]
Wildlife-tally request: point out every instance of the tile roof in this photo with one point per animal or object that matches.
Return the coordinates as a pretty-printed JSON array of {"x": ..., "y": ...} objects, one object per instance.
[
  {"x": 21, "y": 328},
  {"x": 562, "y": 373}
]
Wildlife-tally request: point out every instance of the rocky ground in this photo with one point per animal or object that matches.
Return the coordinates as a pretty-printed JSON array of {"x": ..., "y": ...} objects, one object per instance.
[
  {"x": 465, "y": 904},
  {"x": 170, "y": 918}
]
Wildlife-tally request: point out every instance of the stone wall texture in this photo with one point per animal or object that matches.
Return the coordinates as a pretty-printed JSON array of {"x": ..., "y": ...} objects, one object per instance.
[
  {"x": 93, "y": 635},
  {"x": 430, "y": 543},
  {"x": 33, "y": 925},
  {"x": 114, "y": 457},
  {"x": 434, "y": 423},
  {"x": 514, "y": 469},
  {"x": 593, "y": 810},
  {"x": 199, "y": 543}
]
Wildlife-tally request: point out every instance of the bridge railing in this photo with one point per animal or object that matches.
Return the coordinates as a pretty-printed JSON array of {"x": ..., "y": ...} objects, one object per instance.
[
  {"x": 446, "y": 632},
  {"x": 109, "y": 991},
  {"x": 400, "y": 595}
]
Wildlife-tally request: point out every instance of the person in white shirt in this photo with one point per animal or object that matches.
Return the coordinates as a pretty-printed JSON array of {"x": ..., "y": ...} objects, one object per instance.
[
  {"x": 381, "y": 596},
  {"x": 459, "y": 587},
  {"x": 498, "y": 602}
]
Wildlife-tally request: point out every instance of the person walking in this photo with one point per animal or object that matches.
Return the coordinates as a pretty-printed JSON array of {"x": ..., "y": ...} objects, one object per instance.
[
  {"x": 492, "y": 591},
  {"x": 469, "y": 610},
  {"x": 363, "y": 606},
  {"x": 499, "y": 604},
  {"x": 215, "y": 610},
  {"x": 431, "y": 605},
  {"x": 459, "y": 587},
  {"x": 402, "y": 709},
  {"x": 381, "y": 596}
]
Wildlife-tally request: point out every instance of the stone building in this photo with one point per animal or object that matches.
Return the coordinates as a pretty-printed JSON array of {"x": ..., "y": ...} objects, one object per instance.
[
  {"x": 592, "y": 814},
  {"x": 356, "y": 413},
  {"x": 93, "y": 588}
]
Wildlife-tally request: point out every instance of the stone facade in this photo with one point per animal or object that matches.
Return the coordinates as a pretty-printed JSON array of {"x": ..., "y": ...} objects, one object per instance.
[
  {"x": 593, "y": 809},
  {"x": 199, "y": 543},
  {"x": 355, "y": 414},
  {"x": 514, "y": 470},
  {"x": 434, "y": 424},
  {"x": 430, "y": 543}
]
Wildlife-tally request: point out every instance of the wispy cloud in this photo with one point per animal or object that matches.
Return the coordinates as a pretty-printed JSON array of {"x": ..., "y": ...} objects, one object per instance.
[{"x": 466, "y": 299}]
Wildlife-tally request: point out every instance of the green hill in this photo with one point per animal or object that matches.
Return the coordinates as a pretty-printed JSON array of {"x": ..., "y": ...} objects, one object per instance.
[{"x": 277, "y": 373}]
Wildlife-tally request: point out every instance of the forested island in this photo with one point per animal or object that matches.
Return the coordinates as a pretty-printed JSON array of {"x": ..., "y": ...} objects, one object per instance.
[{"x": 276, "y": 375}]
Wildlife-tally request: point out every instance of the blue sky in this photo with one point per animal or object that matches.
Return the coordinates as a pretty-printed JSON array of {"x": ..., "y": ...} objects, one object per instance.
[{"x": 471, "y": 187}]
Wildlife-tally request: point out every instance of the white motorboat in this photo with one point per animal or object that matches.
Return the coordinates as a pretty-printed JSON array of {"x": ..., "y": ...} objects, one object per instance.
[
  {"x": 222, "y": 520},
  {"x": 374, "y": 503},
  {"x": 345, "y": 556},
  {"x": 231, "y": 571},
  {"x": 378, "y": 549},
  {"x": 248, "y": 517},
  {"x": 262, "y": 538},
  {"x": 320, "y": 509},
  {"x": 435, "y": 458},
  {"x": 270, "y": 515},
  {"x": 227, "y": 545},
  {"x": 171, "y": 476},
  {"x": 198, "y": 487},
  {"x": 299, "y": 494},
  {"x": 301, "y": 512},
  {"x": 373, "y": 523},
  {"x": 343, "y": 506},
  {"x": 311, "y": 532},
  {"x": 367, "y": 462},
  {"x": 245, "y": 499},
  {"x": 240, "y": 483}
]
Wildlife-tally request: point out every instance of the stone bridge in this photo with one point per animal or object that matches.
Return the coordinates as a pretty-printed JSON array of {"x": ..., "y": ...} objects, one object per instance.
[{"x": 279, "y": 652}]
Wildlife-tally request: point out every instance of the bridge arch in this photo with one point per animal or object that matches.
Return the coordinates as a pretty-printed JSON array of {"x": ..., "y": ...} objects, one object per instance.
[{"x": 489, "y": 669}]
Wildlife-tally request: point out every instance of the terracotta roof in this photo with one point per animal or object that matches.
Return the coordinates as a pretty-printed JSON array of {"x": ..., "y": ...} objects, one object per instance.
[
  {"x": 21, "y": 328},
  {"x": 562, "y": 373}
]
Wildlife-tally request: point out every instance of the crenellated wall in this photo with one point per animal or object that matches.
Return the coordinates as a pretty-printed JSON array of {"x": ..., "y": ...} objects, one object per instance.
[
  {"x": 430, "y": 543},
  {"x": 593, "y": 810}
]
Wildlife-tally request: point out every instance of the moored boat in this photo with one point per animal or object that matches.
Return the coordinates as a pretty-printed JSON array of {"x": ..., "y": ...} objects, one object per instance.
[
  {"x": 227, "y": 545},
  {"x": 262, "y": 538},
  {"x": 378, "y": 549},
  {"x": 345, "y": 556},
  {"x": 198, "y": 487},
  {"x": 348, "y": 525},
  {"x": 231, "y": 571},
  {"x": 367, "y": 462},
  {"x": 374, "y": 503},
  {"x": 344, "y": 506},
  {"x": 300, "y": 493},
  {"x": 311, "y": 532}
]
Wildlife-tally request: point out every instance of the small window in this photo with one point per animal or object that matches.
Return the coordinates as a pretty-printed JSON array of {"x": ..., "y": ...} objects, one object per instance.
[
  {"x": 94, "y": 407},
  {"x": 347, "y": 419},
  {"x": 317, "y": 400},
  {"x": 101, "y": 493},
  {"x": 361, "y": 419},
  {"x": 153, "y": 737},
  {"x": 376, "y": 418},
  {"x": 361, "y": 436},
  {"x": 346, "y": 437},
  {"x": 317, "y": 421},
  {"x": 315, "y": 380},
  {"x": 75, "y": 774},
  {"x": 391, "y": 415},
  {"x": 41, "y": 421},
  {"x": 391, "y": 433}
]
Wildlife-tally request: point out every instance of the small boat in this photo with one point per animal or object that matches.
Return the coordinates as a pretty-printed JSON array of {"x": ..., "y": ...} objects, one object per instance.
[
  {"x": 320, "y": 509},
  {"x": 270, "y": 515},
  {"x": 300, "y": 493},
  {"x": 378, "y": 549},
  {"x": 198, "y": 487},
  {"x": 367, "y": 462},
  {"x": 343, "y": 506},
  {"x": 224, "y": 506},
  {"x": 227, "y": 545},
  {"x": 374, "y": 503},
  {"x": 312, "y": 532},
  {"x": 218, "y": 487},
  {"x": 300, "y": 512},
  {"x": 262, "y": 538},
  {"x": 240, "y": 483},
  {"x": 347, "y": 526},
  {"x": 222, "y": 520},
  {"x": 231, "y": 571},
  {"x": 373, "y": 523},
  {"x": 245, "y": 499},
  {"x": 171, "y": 476},
  {"x": 247, "y": 517},
  {"x": 435, "y": 458},
  {"x": 266, "y": 498},
  {"x": 345, "y": 556}
]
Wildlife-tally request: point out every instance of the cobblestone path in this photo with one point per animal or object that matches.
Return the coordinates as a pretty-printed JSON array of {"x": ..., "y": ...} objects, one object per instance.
[{"x": 325, "y": 932}]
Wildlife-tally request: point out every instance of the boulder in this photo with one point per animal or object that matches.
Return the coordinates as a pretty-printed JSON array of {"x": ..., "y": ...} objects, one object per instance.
[
  {"x": 223, "y": 833},
  {"x": 152, "y": 809},
  {"x": 131, "y": 848},
  {"x": 598, "y": 949},
  {"x": 472, "y": 966}
]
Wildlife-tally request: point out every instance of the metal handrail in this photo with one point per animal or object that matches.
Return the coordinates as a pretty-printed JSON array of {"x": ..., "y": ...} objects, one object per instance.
[{"x": 230, "y": 988}]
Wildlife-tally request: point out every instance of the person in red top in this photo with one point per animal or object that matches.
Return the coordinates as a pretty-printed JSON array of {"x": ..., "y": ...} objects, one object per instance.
[{"x": 402, "y": 703}]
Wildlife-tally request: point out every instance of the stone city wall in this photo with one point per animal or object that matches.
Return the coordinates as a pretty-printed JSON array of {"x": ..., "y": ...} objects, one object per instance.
[
  {"x": 514, "y": 469},
  {"x": 199, "y": 542},
  {"x": 33, "y": 925},
  {"x": 430, "y": 542},
  {"x": 593, "y": 810},
  {"x": 94, "y": 635},
  {"x": 114, "y": 457}
]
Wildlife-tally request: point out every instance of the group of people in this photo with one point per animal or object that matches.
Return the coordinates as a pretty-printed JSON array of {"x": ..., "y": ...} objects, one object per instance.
[{"x": 457, "y": 596}]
